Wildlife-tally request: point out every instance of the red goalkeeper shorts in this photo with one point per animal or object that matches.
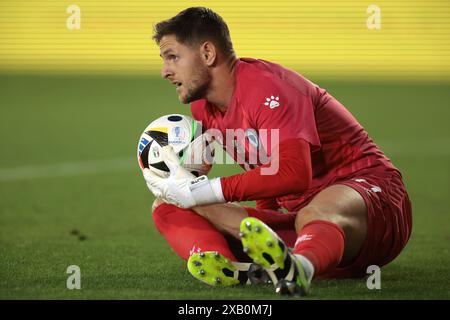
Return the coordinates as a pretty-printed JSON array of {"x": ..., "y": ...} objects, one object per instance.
[{"x": 389, "y": 219}]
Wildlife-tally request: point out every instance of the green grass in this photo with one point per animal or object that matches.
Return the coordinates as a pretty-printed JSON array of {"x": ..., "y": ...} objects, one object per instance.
[{"x": 49, "y": 120}]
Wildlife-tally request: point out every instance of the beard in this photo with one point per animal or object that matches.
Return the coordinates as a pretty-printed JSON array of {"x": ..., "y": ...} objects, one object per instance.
[{"x": 198, "y": 86}]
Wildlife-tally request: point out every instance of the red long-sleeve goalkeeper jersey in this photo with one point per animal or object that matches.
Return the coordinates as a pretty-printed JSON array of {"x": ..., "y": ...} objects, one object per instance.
[{"x": 289, "y": 134}]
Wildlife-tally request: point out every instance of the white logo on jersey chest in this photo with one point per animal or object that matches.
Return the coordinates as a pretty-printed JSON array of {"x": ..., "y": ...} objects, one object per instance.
[{"x": 272, "y": 102}]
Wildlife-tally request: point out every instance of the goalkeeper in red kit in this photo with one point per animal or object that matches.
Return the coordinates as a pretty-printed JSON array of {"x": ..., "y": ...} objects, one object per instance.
[{"x": 345, "y": 205}]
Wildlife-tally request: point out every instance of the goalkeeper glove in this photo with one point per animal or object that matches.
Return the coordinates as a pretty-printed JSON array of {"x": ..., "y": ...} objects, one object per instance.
[{"x": 182, "y": 188}]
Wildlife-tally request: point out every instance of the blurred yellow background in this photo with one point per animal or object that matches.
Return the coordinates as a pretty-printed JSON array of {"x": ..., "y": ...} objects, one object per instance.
[{"x": 318, "y": 38}]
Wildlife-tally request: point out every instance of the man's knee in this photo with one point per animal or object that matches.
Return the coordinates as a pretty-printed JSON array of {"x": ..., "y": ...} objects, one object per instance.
[
  {"x": 347, "y": 221},
  {"x": 312, "y": 213},
  {"x": 338, "y": 204},
  {"x": 343, "y": 207}
]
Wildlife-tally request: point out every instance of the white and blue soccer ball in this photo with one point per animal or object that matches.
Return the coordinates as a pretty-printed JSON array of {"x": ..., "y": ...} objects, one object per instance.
[{"x": 187, "y": 138}]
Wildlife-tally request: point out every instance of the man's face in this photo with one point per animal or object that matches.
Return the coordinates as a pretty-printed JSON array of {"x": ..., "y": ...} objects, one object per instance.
[{"x": 184, "y": 68}]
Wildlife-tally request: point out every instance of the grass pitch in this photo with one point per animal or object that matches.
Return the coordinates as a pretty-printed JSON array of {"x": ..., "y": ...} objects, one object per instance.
[{"x": 71, "y": 192}]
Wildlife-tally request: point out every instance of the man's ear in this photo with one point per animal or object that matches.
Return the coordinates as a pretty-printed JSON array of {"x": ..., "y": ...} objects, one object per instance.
[{"x": 208, "y": 53}]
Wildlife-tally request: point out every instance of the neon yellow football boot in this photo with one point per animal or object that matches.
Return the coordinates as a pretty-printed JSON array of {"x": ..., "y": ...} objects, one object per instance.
[
  {"x": 214, "y": 269},
  {"x": 267, "y": 249}
]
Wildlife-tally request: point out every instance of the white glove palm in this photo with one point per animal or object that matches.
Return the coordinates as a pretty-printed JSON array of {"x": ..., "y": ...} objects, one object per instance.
[{"x": 182, "y": 188}]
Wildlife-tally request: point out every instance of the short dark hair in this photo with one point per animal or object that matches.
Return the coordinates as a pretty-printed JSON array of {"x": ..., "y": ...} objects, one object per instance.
[{"x": 194, "y": 25}]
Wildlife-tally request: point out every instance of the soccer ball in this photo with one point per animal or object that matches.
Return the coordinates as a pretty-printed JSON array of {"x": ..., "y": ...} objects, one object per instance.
[{"x": 187, "y": 138}]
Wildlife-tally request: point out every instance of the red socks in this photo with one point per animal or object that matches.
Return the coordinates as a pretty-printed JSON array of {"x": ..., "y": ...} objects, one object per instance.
[
  {"x": 321, "y": 242},
  {"x": 187, "y": 232}
]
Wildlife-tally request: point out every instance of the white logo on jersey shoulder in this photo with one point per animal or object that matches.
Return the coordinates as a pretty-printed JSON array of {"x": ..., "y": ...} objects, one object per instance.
[{"x": 272, "y": 102}]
